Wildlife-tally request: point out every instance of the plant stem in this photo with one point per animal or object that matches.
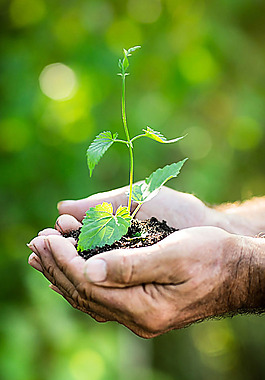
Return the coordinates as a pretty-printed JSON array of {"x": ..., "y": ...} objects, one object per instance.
[
  {"x": 136, "y": 210},
  {"x": 121, "y": 141},
  {"x": 130, "y": 146},
  {"x": 137, "y": 137}
]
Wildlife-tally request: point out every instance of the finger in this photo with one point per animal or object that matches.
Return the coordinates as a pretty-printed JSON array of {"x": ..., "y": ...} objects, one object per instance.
[
  {"x": 55, "y": 289},
  {"x": 78, "y": 208},
  {"x": 128, "y": 306},
  {"x": 66, "y": 223},
  {"x": 34, "y": 261},
  {"x": 158, "y": 263},
  {"x": 72, "y": 241},
  {"x": 69, "y": 263},
  {"x": 73, "y": 266},
  {"x": 51, "y": 270},
  {"x": 63, "y": 286},
  {"x": 122, "y": 305},
  {"x": 48, "y": 231},
  {"x": 64, "y": 253},
  {"x": 97, "y": 317}
]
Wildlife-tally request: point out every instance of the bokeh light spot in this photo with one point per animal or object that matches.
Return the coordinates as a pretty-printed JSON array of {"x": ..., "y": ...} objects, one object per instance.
[
  {"x": 213, "y": 340},
  {"x": 245, "y": 133},
  {"x": 68, "y": 111},
  {"x": 26, "y": 12},
  {"x": 86, "y": 364},
  {"x": 70, "y": 120},
  {"x": 217, "y": 345},
  {"x": 58, "y": 81},
  {"x": 144, "y": 11},
  {"x": 198, "y": 65},
  {"x": 197, "y": 144},
  {"x": 14, "y": 135}
]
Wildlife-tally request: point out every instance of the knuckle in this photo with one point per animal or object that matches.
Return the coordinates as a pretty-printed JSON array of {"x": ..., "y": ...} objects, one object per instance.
[
  {"x": 75, "y": 296},
  {"x": 73, "y": 303},
  {"x": 125, "y": 274},
  {"x": 85, "y": 293},
  {"x": 90, "y": 294},
  {"x": 50, "y": 270}
]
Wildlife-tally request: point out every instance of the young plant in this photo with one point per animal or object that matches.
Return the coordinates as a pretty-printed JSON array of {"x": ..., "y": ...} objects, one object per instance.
[{"x": 100, "y": 225}]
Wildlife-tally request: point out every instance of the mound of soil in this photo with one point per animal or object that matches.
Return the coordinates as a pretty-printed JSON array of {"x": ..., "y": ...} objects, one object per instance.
[{"x": 141, "y": 233}]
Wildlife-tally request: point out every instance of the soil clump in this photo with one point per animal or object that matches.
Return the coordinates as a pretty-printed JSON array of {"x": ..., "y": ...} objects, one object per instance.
[{"x": 141, "y": 233}]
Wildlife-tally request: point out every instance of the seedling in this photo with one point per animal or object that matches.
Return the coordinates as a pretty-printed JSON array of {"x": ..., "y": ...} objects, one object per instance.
[{"x": 100, "y": 225}]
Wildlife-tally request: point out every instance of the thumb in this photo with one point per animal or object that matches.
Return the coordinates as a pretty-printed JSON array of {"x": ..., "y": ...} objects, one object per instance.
[
  {"x": 128, "y": 267},
  {"x": 79, "y": 207}
]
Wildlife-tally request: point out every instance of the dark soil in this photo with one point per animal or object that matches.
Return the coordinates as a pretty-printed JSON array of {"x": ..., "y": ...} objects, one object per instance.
[{"x": 141, "y": 233}]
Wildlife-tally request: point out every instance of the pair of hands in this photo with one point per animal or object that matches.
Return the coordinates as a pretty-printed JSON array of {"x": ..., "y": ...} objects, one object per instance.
[{"x": 195, "y": 273}]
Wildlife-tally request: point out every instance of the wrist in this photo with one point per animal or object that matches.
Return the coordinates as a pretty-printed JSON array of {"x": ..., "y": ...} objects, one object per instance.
[
  {"x": 231, "y": 222},
  {"x": 248, "y": 282}
]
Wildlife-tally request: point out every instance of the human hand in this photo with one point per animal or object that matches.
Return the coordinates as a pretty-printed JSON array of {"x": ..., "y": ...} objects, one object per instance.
[
  {"x": 180, "y": 210},
  {"x": 191, "y": 275}
]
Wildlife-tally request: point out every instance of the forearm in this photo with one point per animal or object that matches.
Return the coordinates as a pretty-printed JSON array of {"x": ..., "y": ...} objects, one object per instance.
[
  {"x": 247, "y": 218},
  {"x": 248, "y": 287}
]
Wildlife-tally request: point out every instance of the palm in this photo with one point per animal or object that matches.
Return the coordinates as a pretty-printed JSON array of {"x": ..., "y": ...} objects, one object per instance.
[{"x": 180, "y": 210}]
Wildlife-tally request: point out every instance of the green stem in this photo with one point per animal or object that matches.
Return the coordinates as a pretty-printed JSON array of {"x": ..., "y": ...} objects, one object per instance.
[
  {"x": 130, "y": 146},
  {"x": 121, "y": 141},
  {"x": 137, "y": 137},
  {"x": 136, "y": 210}
]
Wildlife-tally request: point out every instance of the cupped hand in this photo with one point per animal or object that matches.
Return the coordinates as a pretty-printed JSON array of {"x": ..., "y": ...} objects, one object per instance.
[
  {"x": 191, "y": 275},
  {"x": 180, "y": 210}
]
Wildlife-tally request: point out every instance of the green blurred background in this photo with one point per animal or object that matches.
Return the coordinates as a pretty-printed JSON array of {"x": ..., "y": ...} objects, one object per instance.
[{"x": 200, "y": 71}]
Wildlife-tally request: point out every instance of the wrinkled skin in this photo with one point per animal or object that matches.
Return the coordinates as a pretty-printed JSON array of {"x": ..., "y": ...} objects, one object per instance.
[{"x": 193, "y": 274}]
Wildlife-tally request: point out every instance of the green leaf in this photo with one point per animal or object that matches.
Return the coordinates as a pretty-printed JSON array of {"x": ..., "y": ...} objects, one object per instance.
[
  {"x": 157, "y": 136},
  {"x": 98, "y": 147},
  {"x": 101, "y": 227},
  {"x": 145, "y": 191},
  {"x": 137, "y": 192},
  {"x": 132, "y": 49},
  {"x": 125, "y": 61}
]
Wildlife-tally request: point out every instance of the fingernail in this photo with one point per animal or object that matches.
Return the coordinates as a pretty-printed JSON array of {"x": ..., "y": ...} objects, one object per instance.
[
  {"x": 63, "y": 203},
  {"x": 32, "y": 247},
  {"x": 31, "y": 257},
  {"x": 59, "y": 227},
  {"x": 47, "y": 244},
  {"x": 96, "y": 270},
  {"x": 59, "y": 204},
  {"x": 34, "y": 263},
  {"x": 55, "y": 289}
]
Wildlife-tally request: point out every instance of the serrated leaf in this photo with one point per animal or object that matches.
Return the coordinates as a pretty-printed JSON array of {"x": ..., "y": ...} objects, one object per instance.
[
  {"x": 101, "y": 227},
  {"x": 145, "y": 191},
  {"x": 98, "y": 147},
  {"x": 137, "y": 192},
  {"x": 157, "y": 136}
]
